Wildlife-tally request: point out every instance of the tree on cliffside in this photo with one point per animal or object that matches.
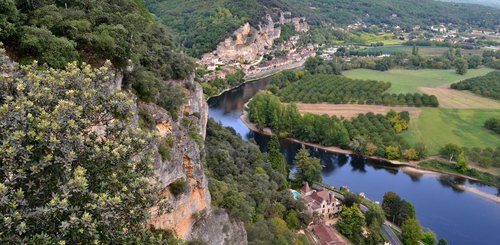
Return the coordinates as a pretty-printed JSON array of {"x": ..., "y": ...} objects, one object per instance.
[{"x": 74, "y": 168}]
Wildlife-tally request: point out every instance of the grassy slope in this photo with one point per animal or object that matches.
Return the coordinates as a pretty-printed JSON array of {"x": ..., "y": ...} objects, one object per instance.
[
  {"x": 437, "y": 127},
  {"x": 408, "y": 81}
]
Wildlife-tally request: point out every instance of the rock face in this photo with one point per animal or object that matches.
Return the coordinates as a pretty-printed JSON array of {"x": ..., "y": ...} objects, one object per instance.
[
  {"x": 218, "y": 228},
  {"x": 186, "y": 164}
]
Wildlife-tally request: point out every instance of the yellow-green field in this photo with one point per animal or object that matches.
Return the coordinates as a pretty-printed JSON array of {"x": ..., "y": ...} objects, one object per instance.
[
  {"x": 370, "y": 38},
  {"x": 437, "y": 127},
  {"x": 408, "y": 81}
]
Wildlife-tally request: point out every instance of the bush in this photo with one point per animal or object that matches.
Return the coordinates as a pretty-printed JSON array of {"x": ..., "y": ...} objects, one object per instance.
[
  {"x": 410, "y": 154},
  {"x": 392, "y": 152},
  {"x": 164, "y": 150},
  {"x": 178, "y": 187},
  {"x": 146, "y": 120},
  {"x": 493, "y": 124}
]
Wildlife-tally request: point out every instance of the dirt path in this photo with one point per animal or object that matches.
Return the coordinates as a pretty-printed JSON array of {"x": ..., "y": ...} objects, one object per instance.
[{"x": 352, "y": 110}]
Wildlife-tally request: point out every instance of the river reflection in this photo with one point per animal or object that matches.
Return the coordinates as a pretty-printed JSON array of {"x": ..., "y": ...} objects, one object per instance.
[{"x": 456, "y": 215}]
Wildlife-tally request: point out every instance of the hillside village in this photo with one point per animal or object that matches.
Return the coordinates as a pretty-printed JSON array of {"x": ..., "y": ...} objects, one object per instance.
[
  {"x": 248, "y": 46},
  {"x": 256, "y": 52}
]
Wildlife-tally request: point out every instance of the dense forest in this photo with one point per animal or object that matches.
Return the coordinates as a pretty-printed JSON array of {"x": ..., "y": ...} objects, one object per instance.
[
  {"x": 367, "y": 134},
  {"x": 487, "y": 85},
  {"x": 245, "y": 181},
  {"x": 58, "y": 32},
  {"x": 492, "y": 3},
  {"x": 342, "y": 90},
  {"x": 201, "y": 25},
  {"x": 409, "y": 12}
]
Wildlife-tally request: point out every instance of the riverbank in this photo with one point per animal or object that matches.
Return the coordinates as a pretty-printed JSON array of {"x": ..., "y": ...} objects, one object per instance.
[
  {"x": 406, "y": 166},
  {"x": 331, "y": 149},
  {"x": 480, "y": 193},
  {"x": 261, "y": 75}
]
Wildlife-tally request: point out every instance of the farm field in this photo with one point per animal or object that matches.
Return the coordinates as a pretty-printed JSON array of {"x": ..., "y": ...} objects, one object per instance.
[
  {"x": 426, "y": 51},
  {"x": 351, "y": 110},
  {"x": 387, "y": 39},
  {"x": 450, "y": 98},
  {"x": 409, "y": 81},
  {"x": 437, "y": 127}
]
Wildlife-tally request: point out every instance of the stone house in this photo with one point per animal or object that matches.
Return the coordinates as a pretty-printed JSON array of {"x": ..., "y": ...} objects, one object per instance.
[{"x": 322, "y": 202}]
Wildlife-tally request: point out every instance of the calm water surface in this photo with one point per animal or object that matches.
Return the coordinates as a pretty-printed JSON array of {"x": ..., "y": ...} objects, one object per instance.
[{"x": 459, "y": 217}]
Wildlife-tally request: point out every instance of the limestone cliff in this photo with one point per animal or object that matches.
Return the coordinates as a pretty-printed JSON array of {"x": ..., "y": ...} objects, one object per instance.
[
  {"x": 187, "y": 213},
  {"x": 249, "y": 44}
]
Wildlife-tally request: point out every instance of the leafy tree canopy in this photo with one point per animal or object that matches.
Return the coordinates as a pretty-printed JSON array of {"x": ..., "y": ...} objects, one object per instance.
[{"x": 74, "y": 168}]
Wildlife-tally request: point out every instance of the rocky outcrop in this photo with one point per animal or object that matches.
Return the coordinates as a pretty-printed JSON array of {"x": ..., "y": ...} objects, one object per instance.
[
  {"x": 299, "y": 23},
  {"x": 249, "y": 43},
  {"x": 218, "y": 222},
  {"x": 185, "y": 163}
]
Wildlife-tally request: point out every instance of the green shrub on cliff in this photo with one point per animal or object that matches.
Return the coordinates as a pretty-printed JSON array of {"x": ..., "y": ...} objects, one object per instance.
[{"x": 70, "y": 171}]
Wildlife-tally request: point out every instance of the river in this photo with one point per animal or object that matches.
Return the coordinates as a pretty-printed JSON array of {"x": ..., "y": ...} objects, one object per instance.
[{"x": 460, "y": 217}]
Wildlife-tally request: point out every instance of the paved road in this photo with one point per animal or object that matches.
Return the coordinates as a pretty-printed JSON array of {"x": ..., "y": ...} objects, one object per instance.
[{"x": 389, "y": 233}]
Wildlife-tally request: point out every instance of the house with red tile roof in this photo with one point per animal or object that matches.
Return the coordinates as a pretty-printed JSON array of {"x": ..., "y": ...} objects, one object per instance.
[
  {"x": 326, "y": 235},
  {"x": 321, "y": 202}
]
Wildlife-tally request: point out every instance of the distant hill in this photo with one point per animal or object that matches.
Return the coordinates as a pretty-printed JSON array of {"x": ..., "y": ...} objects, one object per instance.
[
  {"x": 200, "y": 25},
  {"x": 491, "y": 3},
  {"x": 400, "y": 12}
]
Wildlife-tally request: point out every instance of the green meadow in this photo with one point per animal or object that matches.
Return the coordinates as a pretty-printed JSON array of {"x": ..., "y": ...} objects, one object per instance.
[
  {"x": 408, "y": 81},
  {"x": 437, "y": 127}
]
